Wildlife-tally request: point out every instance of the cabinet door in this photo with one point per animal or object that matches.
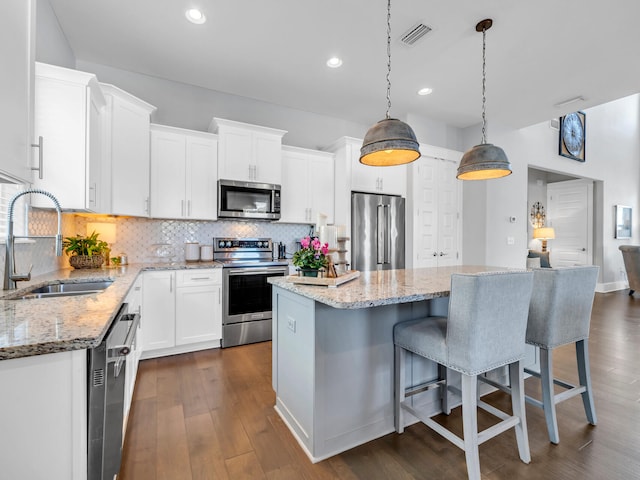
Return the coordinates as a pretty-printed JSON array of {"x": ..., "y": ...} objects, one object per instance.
[
  {"x": 201, "y": 178},
  {"x": 167, "y": 175},
  {"x": 129, "y": 180},
  {"x": 364, "y": 178},
  {"x": 321, "y": 188},
  {"x": 68, "y": 109},
  {"x": 387, "y": 180},
  {"x": 17, "y": 43},
  {"x": 196, "y": 314},
  {"x": 61, "y": 119},
  {"x": 267, "y": 155},
  {"x": 158, "y": 310},
  {"x": 234, "y": 159},
  {"x": 295, "y": 206}
]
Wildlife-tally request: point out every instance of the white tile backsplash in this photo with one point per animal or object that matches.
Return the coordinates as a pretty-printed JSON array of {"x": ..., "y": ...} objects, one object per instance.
[{"x": 136, "y": 237}]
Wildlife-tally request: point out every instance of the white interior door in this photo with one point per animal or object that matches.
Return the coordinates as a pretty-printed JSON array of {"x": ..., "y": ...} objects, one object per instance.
[
  {"x": 436, "y": 201},
  {"x": 570, "y": 213}
]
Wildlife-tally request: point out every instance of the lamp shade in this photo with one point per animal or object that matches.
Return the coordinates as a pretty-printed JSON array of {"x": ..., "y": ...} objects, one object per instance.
[
  {"x": 484, "y": 162},
  {"x": 106, "y": 231},
  {"x": 389, "y": 142},
  {"x": 544, "y": 233}
]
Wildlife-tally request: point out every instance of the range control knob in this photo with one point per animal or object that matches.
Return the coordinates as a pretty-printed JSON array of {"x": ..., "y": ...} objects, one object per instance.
[{"x": 228, "y": 243}]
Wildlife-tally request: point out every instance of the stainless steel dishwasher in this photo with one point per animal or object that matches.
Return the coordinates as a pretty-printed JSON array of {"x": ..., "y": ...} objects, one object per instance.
[{"x": 107, "y": 367}]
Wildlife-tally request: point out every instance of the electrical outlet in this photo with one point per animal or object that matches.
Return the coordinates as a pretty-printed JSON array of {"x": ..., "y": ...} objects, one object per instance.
[{"x": 291, "y": 323}]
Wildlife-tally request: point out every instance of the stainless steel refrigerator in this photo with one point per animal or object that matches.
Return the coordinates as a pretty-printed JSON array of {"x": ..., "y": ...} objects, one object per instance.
[{"x": 377, "y": 232}]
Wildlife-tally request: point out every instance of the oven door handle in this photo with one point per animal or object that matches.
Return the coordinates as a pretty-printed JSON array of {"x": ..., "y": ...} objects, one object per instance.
[{"x": 256, "y": 270}]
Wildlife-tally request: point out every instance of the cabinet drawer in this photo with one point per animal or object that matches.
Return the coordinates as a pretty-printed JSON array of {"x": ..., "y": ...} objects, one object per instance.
[{"x": 190, "y": 278}]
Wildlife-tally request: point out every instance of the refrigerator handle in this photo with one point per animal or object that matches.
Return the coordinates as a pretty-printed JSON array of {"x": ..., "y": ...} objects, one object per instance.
[
  {"x": 380, "y": 231},
  {"x": 383, "y": 247}
]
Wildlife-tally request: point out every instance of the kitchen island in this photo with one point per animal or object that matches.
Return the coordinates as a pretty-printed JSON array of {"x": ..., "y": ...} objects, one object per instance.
[{"x": 333, "y": 353}]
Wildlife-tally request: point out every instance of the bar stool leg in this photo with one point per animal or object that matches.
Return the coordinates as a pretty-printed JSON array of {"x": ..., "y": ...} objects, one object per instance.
[
  {"x": 516, "y": 377},
  {"x": 470, "y": 425},
  {"x": 548, "y": 400},
  {"x": 400, "y": 383},
  {"x": 444, "y": 389},
  {"x": 584, "y": 374}
]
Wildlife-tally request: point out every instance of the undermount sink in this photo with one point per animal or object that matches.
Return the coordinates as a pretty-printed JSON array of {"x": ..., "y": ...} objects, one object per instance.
[{"x": 64, "y": 290}]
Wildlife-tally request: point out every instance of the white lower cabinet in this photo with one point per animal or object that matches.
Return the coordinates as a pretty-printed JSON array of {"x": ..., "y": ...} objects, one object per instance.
[
  {"x": 181, "y": 310},
  {"x": 198, "y": 306}
]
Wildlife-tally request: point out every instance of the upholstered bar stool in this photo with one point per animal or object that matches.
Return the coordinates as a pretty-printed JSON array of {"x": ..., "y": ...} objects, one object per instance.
[
  {"x": 485, "y": 329},
  {"x": 559, "y": 314}
]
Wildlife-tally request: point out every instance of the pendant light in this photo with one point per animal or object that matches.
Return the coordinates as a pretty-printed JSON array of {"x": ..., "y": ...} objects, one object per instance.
[
  {"x": 484, "y": 161},
  {"x": 390, "y": 141}
]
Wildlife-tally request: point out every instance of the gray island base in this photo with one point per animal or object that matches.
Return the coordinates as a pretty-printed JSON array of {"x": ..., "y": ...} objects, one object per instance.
[{"x": 333, "y": 353}]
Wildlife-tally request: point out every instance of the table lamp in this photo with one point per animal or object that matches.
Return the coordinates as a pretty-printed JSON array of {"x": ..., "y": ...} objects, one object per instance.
[
  {"x": 544, "y": 234},
  {"x": 107, "y": 233}
]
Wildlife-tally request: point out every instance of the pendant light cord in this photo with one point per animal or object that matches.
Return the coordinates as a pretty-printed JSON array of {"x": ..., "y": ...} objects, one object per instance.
[
  {"x": 388, "y": 58},
  {"x": 484, "y": 82}
]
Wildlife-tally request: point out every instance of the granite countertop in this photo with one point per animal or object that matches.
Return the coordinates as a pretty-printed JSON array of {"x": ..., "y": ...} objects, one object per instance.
[
  {"x": 384, "y": 287},
  {"x": 50, "y": 325}
]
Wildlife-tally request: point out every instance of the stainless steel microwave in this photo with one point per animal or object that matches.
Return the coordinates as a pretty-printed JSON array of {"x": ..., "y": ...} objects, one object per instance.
[{"x": 248, "y": 200}]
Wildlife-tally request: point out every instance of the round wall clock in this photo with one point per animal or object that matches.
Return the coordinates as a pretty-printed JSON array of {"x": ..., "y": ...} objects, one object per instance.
[{"x": 572, "y": 136}]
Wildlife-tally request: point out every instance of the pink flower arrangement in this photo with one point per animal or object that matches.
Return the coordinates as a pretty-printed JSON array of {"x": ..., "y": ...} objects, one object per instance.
[{"x": 312, "y": 254}]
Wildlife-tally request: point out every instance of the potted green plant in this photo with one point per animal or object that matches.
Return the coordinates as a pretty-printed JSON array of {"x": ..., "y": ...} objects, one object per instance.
[{"x": 85, "y": 252}]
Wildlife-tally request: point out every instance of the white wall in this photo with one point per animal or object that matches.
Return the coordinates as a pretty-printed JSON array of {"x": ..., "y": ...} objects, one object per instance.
[
  {"x": 51, "y": 43},
  {"x": 612, "y": 157}
]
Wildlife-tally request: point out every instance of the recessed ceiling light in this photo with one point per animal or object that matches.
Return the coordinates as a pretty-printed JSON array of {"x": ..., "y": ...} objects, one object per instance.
[
  {"x": 195, "y": 16},
  {"x": 425, "y": 91},
  {"x": 334, "y": 62}
]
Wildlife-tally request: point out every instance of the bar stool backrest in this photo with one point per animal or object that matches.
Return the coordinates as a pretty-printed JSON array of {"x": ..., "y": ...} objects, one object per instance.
[
  {"x": 561, "y": 303},
  {"x": 487, "y": 320}
]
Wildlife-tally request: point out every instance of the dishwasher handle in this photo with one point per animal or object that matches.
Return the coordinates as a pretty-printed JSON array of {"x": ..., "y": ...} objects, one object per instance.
[{"x": 125, "y": 349}]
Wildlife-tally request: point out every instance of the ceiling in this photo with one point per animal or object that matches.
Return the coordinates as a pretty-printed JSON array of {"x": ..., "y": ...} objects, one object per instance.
[{"x": 539, "y": 53}]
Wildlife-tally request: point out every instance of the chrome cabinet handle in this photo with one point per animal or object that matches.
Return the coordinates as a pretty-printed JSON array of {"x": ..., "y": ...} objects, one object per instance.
[
  {"x": 182, "y": 208},
  {"x": 188, "y": 208},
  {"x": 40, "y": 147}
]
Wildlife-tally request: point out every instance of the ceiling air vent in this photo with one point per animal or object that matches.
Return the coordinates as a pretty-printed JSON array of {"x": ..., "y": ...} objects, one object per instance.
[{"x": 415, "y": 33}]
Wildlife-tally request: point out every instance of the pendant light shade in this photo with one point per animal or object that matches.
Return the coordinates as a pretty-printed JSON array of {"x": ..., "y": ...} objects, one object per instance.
[
  {"x": 390, "y": 141},
  {"x": 484, "y": 161}
]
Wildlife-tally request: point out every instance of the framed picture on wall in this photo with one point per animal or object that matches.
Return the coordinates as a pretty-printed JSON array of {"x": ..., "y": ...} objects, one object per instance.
[{"x": 623, "y": 221}]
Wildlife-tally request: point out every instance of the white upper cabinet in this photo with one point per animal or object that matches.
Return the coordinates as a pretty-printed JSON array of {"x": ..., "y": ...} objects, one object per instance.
[
  {"x": 248, "y": 153},
  {"x": 17, "y": 44},
  {"x": 307, "y": 185},
  {"x": 126, "y": 153},
  {"x": 351, "y": 175},
  {"x": 68, "y": 109},
  {"x": 183, "y": 173}
]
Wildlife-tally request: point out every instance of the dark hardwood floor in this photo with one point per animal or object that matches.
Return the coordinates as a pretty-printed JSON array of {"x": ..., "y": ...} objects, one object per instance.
[{"x": 210, "y": 415}]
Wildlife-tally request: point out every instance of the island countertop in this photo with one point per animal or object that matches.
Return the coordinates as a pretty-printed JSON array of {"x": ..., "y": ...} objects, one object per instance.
[
  {"x": 384, "y": 287},
  {"x": 50, "y": 325}
]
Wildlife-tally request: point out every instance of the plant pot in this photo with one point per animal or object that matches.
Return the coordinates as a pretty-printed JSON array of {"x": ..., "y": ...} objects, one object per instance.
[
  {"x": 309, "y": 272},
  {"x": 86, "y": 261}
]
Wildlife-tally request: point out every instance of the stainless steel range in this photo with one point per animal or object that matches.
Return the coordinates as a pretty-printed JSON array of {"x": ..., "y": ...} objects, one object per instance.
[{"x": 246, "y": 302}]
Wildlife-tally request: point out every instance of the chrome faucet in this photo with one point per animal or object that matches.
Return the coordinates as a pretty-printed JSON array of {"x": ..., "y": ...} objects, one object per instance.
[{"x": 10, "y": 276}]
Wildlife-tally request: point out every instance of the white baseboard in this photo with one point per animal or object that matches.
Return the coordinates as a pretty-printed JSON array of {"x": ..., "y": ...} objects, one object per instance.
[{"x": 611, "y": 287}]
